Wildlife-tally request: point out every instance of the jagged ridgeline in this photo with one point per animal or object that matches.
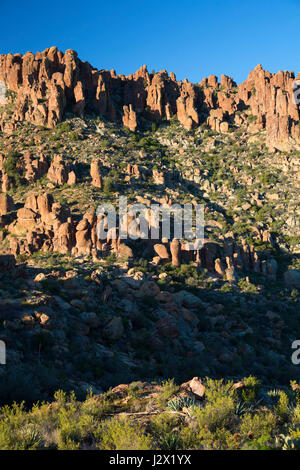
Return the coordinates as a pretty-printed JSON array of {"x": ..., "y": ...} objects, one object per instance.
[{"x": 47, "y": 84}]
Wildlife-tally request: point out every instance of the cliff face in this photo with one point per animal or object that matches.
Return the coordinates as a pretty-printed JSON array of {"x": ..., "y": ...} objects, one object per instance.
[{"x": 47, "y": 84}]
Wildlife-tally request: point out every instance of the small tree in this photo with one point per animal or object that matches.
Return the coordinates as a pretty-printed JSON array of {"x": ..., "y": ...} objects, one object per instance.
[
  {"x": 108, "y": 186},
  {"x": 12, "y": 167}
]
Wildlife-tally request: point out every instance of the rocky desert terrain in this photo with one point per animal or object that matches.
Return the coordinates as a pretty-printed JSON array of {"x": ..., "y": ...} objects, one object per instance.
[{"x": 84, "y": 316}]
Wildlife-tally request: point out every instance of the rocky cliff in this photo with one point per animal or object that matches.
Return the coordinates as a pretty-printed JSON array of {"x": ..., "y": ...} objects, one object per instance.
[{"x": 43, "y": 86}]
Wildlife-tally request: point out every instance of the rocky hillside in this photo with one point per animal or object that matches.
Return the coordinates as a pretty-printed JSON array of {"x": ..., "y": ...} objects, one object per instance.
[
  {"x": 46, "y": 85},
  {"x": 77, "y": 312}
]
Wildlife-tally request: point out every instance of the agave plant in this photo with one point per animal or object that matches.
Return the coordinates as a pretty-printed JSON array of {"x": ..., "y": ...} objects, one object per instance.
[
  {"x": 242, "y": 407},
  {"x": 30, "y": 437},
  {"x": 169, "y": 441},
  {"x": 181, "y": 402}
]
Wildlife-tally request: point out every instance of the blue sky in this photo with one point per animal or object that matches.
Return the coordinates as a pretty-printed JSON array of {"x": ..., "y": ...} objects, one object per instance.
[{"x": 192, "y": 38}]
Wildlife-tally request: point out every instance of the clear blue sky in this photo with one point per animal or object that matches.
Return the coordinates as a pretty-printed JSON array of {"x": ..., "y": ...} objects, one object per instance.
[{"x": 192, "y": 38}]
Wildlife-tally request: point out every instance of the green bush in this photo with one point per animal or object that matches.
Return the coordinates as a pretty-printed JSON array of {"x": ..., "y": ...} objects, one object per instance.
[
  {"x": 249, "y": 392},
  {"x": 258, "y": 425},
  {"x": 108, "y": 186},
  {"x": 134, "y": 389},
  {"x": 162, "y": 429},
  {"x": 283, "y": 408},
  {"x": 169, "y": 388},
  {"x": 13, "y": 168},
  {"x": 15, "y": 431},
  {"x": 216, "y": 389},
  {"x": 216, "y": 415},
  {"x": 122, "y": 434}
]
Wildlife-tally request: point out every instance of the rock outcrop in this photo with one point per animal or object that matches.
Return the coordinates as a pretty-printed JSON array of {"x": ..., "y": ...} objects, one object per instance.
[
  {"x": 44, "y": 84},
  {"x": 96, "y": 174},
  {"x": 6, "y": 204},
  {"x": 60, "y": 172}
]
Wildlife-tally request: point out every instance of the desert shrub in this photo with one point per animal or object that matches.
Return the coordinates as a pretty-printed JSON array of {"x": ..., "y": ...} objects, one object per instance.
[
  {"x": 12, "y": 167},
  {"x": 295, "y": 391},
  {"x": 68, "y": 426},
  {"x": 97, "y": 406},
  {"x": 247, "y": 286},
  {"x": 30, "y": 437},
  {"x": 259, "y": 425},
  {"x": 105, "y": 143},
  {"x": 134, "y": 389},
  {"x": 189, "y": 438},
  {"x": 221, "y": 439},
  {"x": 74, "y": 136},
  {"x": 169, "y": 441},
  {"x": 249, "y": 392},
  {"x": 163, "y": 423},
  {"x": 227, "y": 288},
  {"x": 108, "y": 186},
  {"x": 268, "y": 178},
  {"x": 162, "y": 429},
  {"x": 283, "y": 407},
  {"x": 169, "y": 388},
  {"x": 296, "y": 416},
  {"x": 122, "y": 434},
  {"x": 216, "y": 415},
  {"x": 216, "y": 389},
  {"x": 63, "y": 127},
  {"x": 77, "y": 422},
  {"x": 15, "y": 431},
  {"x": 110, "y": 259},
  {"x": 65, "y": 443},
  {"x": 10, "y": 95}
]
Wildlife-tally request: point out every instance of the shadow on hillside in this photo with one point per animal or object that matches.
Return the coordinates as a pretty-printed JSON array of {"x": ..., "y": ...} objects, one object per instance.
[{"x": 237, "y": 341}]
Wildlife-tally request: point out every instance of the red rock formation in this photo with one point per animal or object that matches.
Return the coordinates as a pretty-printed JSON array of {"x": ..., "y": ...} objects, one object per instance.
[
  {"x": 6, "y": 204},
  {"x": 186, "y": 106},
  {"x": 269, "y": 97},
  {"x": 96, "y": 174},
  {"x": 129, "y": 118},
  {"x": 60, "y": 172},
  {"x": 175, "y": 249},
  {"x": 45, "y": 83}
]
